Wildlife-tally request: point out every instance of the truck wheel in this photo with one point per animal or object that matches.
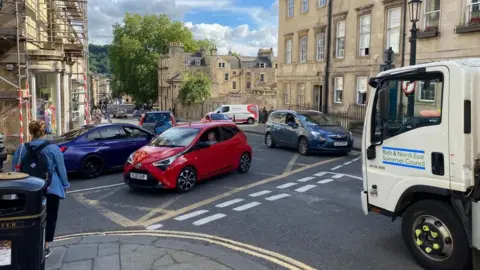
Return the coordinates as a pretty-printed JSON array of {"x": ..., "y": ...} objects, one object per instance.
[{"x": 435, "y": 236}]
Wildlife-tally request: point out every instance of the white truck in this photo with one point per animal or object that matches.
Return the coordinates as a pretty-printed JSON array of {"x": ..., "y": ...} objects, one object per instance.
[{"x": 421, "y": 159}]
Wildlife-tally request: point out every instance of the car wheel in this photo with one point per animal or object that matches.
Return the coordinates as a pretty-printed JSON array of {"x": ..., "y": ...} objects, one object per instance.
[
  {"x": 269, "y": 140},
  {"x": 250, "y": 121},
  {"x": 186, "y": 180},
  {"x": 245, "y": 162},
  {"x": 92, "y": 167},
  {"x": 435, "y": 236},
  {"x": 303, "y": 146}
]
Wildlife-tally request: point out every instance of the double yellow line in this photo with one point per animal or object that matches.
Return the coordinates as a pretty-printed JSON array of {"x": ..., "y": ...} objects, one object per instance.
[{"x": 273, "y": 257}]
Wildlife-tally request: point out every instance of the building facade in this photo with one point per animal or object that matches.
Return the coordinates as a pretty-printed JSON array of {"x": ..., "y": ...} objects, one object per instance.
[
  {"x": 230, "y": 74},
  {"x": 360, "y": 32}
]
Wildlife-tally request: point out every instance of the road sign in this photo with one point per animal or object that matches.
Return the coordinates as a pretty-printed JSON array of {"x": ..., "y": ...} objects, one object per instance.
[{"x": 408, "y": 87}]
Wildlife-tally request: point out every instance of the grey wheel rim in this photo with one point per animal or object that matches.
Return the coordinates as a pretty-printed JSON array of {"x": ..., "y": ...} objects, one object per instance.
[
  {"x": 432, "y": 238},
  {"x": 186, "y": 179},
  {"x": 303, "y": 146},
  {"x": 269, "y": 140},
  {"x": 245, "y": 162}
]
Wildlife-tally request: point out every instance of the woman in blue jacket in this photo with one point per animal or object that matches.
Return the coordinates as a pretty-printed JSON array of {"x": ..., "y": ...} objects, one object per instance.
[{"x": 57, "y": 170}]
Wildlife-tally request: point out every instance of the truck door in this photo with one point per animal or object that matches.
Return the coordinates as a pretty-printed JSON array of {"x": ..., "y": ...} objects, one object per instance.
[{"x": 409, "y": 147}]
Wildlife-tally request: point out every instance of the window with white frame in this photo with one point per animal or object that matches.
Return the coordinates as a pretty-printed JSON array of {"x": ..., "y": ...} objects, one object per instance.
[
  {"x": 338, "y": 90},
  {"x": 301, "y": 94},
  {"x": 197, "y": 62},
  {"x": 473, "y": 11},
  {"x": 303, "y": 49},
  {"x": 321, "y": 3},
  {"x": 287, "y": 93},
  {"x": 365, "y": 26},
  {"x": 288, "y": 51},
  {"x": 221, "y": 65},
  {"x": 432, "y": 14},
  {"x": 304, "y": 6},
  {"x": 393, "y": 28},
  {"x": 320, "y": 46},
  {"x": 262, "y": 65},
  {"x": 186, "y": 62},
  {"x": 340, "y": 43},
  {"x": 362, "y": 85},
  {"x": 427, "y": 93},
  {"x": 291, "y": 7}
]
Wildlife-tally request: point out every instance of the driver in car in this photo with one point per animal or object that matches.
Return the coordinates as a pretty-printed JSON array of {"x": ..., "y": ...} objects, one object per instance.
[{"x": 212, "y": 139}]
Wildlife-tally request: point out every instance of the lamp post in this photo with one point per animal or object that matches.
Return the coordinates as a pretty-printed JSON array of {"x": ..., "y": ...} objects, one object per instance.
[{"x": 414, "y": 8}]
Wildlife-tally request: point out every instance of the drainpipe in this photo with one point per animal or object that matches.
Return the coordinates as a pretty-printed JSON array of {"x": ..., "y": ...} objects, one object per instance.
[
  {"x": 404, "y": 38},
  {"x": 327, "y": 63}
]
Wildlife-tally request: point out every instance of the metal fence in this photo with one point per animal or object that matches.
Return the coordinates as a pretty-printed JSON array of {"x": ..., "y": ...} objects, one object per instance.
[{"x": 351, "y": 117}]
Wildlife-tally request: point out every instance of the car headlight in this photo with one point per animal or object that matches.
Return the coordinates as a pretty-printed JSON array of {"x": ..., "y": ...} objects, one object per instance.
[
  {"x": 166, "y": 162},
  {"x": 130, "y": 158},
  {"x": 318, "y": 136}
]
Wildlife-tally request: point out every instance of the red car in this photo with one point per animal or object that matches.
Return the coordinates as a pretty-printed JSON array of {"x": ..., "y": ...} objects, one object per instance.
[
  {"x": 183, "y": 155},
  {"x": 213, "y": 117}
]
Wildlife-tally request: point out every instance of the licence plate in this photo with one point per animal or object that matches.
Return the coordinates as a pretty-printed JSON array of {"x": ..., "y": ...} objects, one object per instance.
[
  {"x": 138, "y": 176},
  {"x": 340, "y": 143},
  {"x": 5, "y": 253}
]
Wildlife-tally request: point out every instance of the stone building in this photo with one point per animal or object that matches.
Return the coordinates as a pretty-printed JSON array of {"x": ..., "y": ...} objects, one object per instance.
[
  {"x": 360, "y": 32},
  {"x": 231, "y": 75}
]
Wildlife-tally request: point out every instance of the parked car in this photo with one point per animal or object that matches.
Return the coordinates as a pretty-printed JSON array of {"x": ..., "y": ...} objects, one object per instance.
[
  {"x": 137, "y": 113},
  {"x": 213, "y": 117},
  {"x": 157, "y": 121},
  {"x": 184, "y": 155},
  {"x": 243, "y": 113},
  {"x": 307, "y": 131},
  {"x": 91, "y": 150},
  {"x": 120, "y": 113}
]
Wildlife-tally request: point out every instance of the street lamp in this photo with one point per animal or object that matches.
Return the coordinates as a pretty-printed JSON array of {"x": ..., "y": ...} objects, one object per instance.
[{"x": 414, "y": 8}]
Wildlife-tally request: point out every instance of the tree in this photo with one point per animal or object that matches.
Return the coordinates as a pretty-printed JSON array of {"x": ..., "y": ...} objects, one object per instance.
[
  {"x": 235, "y": 54},
  {"x": 98, "y": 61},
  {"x": 195, "y": 88},
  {"x": 206, "y": 44},
  {"x": 137, "y": 45}
]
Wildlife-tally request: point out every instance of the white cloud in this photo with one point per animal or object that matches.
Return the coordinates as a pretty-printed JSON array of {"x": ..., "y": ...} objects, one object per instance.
[{"x": 242, "y": 39}]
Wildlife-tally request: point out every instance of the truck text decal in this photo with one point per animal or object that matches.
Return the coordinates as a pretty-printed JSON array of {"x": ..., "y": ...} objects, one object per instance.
[{"x": 409, "y": 158}]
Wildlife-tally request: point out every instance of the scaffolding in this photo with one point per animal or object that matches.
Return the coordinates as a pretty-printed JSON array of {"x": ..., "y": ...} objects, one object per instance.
[{"x": 50, "y": 30}]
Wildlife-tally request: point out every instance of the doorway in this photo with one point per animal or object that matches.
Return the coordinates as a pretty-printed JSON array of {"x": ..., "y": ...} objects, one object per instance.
[{"x": 317, "y": 97}]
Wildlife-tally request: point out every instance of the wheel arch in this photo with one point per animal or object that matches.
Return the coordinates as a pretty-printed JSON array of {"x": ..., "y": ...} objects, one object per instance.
[{"x": 90, "y": 155}]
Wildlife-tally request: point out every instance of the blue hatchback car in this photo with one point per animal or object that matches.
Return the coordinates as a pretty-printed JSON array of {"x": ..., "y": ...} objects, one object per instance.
[
  {"x": 307, "y": 131},
  {"x": 93, "y": 149}
]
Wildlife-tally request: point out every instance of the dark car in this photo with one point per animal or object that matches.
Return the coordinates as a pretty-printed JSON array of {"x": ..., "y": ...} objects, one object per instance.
[
  {"x": 93, "y": 149},
  {"x": 307, "y": 131}
]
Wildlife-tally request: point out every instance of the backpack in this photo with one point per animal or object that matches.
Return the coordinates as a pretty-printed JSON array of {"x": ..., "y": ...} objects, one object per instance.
[{"x": 35, "y": 163}]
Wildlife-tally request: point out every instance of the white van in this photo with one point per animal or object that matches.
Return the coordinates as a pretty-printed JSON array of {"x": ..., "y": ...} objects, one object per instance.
[{"x": 244, "y": 113}]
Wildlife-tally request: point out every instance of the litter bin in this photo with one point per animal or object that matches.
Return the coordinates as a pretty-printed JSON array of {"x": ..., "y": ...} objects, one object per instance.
[{"x": 22, "y": 222}]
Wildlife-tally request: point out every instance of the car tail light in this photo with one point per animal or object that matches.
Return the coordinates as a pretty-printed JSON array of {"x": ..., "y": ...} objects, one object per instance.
[
  {"x": 63, "y": 149},
  {"x": 141, "y": 120}
]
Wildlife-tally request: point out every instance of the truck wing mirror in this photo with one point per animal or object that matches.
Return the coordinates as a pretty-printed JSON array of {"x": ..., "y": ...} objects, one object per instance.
[{"x": 384, "y": 102}]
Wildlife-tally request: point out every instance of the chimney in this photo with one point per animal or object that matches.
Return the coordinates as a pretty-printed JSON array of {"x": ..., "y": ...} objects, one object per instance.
[
  {"x": 175, "y": 47},
  {"x": 213, "y": 51}
]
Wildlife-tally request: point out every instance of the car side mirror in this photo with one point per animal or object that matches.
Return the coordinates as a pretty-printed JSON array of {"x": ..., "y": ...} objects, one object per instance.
[{"x": 384, "y": 102}]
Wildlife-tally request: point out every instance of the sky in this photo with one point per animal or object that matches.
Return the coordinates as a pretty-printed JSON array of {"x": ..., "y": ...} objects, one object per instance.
[{"x": 242, "y": 26}]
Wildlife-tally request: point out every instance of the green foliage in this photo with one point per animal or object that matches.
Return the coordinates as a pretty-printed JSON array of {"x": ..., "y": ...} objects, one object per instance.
[
  {"x": 137, "y": 45},
  {"x": 98, "y": 61},
  {"x": 195, "y": 88},
  {"x": 206, "y": 44},
  {"x": 235, "y": 54}
]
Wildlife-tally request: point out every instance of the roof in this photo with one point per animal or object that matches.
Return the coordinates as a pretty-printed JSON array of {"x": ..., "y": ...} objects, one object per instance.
[{"x": 204, "y": 125}]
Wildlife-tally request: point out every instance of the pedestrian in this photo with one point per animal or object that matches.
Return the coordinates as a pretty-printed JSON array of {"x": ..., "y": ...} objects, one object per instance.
[
  {"x": 97, "y": 116},
  {"x": 38, "y": 158}
]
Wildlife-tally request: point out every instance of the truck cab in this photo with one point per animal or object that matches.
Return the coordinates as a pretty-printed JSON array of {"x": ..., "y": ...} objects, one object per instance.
[{"x": 421, "y": 158}]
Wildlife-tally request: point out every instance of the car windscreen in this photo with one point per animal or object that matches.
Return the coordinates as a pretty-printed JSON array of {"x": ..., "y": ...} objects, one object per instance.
[
  {"x": 72, "y": 134},
  {"x": 156, "y": 117},
  {"x": 218, "y": 116},
  {"x": 175, "y": 137},
  {"x": 316, "y": 118}
]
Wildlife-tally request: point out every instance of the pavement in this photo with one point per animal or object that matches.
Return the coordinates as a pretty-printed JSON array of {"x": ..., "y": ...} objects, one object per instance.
[{"x": 260, "y": 129}]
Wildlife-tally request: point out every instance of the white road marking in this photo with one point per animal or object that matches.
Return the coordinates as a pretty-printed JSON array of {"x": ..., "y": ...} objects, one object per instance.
[
  {"x": 325, "y": 181},
  {"x": 291, "y": 163},
  {"x": 305, "y": 179},
  {"x": 190, "y": 215},
  {"x": 95, "y": 188},
  {"x": 351, "y": 176},
  {"x": 287, "y": 185},
  {"x": 277, "y": 197},
  {"x": 357, "y": 159},
  {"x": 305, "y": 188},
  {"x": 334, "y": 168},
  {"x": 347, "y": 163},
  {"x": 208, "y": 219},
  {"x": 228, "y": 203},
  {"x": 247, "y": 206},
  {"x": 337, "y": 176},
  {"x": 260, "y": 193},
  {"x": 320, "y": 174},
  {"x": 154, "y": 227}
]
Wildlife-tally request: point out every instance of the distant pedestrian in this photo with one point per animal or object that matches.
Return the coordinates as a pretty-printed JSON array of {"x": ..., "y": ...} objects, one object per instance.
[
  {"x": 40, "y": 158},
  {"x": 97, "y": 116}
]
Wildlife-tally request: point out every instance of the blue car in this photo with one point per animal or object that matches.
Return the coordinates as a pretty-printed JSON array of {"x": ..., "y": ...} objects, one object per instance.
[
  {"x": 94, "y": 149},
  {"x": 307, "y": 131}
]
